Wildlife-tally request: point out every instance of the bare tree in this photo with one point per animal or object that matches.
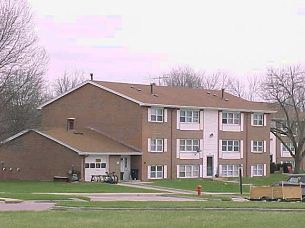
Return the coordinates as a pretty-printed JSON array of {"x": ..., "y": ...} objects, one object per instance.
[
  {"x": 22, "y": 61},
  {"x": 285, "y": 87},
  {"x": 218, "y": 80},
  {"x": 68, "y": 81},
  {"x": 236, "y": 87},
  {"x": 182, "y": 76}
]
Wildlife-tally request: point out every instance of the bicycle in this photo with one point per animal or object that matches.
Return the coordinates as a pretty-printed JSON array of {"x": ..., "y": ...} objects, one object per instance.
[{"x": 111, "y": 178}]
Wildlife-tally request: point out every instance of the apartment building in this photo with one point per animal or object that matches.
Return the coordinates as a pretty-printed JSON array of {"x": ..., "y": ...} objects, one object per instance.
[{"x": 142, "y": 131}]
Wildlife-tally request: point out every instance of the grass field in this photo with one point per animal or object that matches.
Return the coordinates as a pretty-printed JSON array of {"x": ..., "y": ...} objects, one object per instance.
[
  {"x": 186, "y": 204},
  {"x": 219, "y": 186},
  {"x": 153, "y": 219}
]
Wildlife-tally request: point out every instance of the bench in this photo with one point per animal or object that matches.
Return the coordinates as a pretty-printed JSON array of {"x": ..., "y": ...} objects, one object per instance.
[{"x": 60, "y": 179}]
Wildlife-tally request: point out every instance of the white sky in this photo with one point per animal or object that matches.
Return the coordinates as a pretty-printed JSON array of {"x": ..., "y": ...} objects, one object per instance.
[{"x": 132, "y": 40}]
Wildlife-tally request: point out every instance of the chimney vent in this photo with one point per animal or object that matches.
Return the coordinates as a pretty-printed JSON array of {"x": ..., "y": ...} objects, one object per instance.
[
  {"x": 222, "y": 93},
  {"x": 152, "y": 88},
  {"x": 91, "y": 76}
]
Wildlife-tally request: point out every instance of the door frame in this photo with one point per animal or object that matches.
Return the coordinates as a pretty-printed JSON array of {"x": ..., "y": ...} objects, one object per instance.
[{"x": 212, "y": 165}]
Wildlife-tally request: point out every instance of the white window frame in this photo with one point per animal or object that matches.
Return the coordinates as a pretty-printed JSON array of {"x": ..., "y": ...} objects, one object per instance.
[
  {"x": 189, "y": 171},
  {"x": 258, "y": 119},
  {"x": 156, "y": 172},
  {"x": 156, "y": 145},
  {"x": 256, "y": 148},
  {"x": 230, "y": 143},
  {"x": 156, "y": 113},
  {"x": 189, "y": 116},
  {"x": 229, "y": 170},
  {"x": 284, "y": 150},
  {"x": 256, "y": 169},
  {"x": 231, "y": 118},
  {"x": 189, "y": 145}
]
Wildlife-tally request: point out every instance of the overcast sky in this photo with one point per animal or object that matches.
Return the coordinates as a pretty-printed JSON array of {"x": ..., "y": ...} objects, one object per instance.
[{"x": 132, "y": 40}]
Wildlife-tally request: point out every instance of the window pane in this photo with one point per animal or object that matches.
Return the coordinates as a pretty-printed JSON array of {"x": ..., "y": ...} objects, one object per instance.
[
  {"x": 98, "y": 165},
  {"x": 153, "y": 168},
  {"x": 92, "y": 165},
  {"x": 86, "y": 165},
  {"x": 159, "y": 168},
  {"x": 103, "y": 165}
]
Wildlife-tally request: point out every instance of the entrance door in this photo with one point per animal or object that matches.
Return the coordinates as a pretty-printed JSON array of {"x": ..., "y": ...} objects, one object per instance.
[
  {"x": 210, "y": 166},
  {"x": 125, "y": 168}
]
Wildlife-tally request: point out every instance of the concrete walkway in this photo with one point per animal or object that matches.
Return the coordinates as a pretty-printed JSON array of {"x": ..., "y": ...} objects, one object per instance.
[
  {"x": 26, "y": 206},
  {"x": 145, "y": 185},
  {"x": 137, "y": 197}
]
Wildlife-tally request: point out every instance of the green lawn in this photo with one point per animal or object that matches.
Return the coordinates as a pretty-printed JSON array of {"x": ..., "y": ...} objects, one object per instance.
[
  {"x": 265, "y": 180},
  {"x": 184, "y": 204},
  {"x": 219, "y": 185},
  {"x": 63, "y": 187},
  {"x": 153, "y": 219},
  {"x": 190, "y": 184}
]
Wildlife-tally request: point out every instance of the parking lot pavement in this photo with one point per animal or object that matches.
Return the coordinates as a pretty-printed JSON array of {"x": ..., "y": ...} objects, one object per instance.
[
  {"x": 26, "y": 206},
  {"x": 136, "y": 197}
]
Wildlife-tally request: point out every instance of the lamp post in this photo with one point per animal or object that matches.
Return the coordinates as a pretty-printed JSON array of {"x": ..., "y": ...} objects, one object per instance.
[{"x": 240, "y": 179}]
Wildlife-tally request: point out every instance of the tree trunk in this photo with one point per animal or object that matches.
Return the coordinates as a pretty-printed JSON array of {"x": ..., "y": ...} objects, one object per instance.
[{"x": 298, "y": 163}]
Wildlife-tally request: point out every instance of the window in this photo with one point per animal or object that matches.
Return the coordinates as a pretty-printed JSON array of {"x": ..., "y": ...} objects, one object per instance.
[
  {"x": 156, "y": 172},
  {"x": 189, "y": 145},
  {"x": 156, "y": 145},
  {"x": 229, "y": 170},
  {"x": 230, "y": 146},
  {"x": 230, "y": 117},
  {"x": 189, "y": 171},
  {"x": 189, "y": 116},
  {"x": 70, "y": 123},
  {"x": 258, "y": 119},
  {"x": 258, "y": 146},
  {"x": 285, "y": 151},
  {"x": 258, "y": 170},
  {"x": 97, "y": 165},
  {"x": 156, "y": 115}
]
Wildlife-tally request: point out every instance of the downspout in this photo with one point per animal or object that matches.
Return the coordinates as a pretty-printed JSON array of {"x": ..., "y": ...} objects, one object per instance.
[
  {"x": 171, "y": 137},
  {"x": 246, "y": 154}
]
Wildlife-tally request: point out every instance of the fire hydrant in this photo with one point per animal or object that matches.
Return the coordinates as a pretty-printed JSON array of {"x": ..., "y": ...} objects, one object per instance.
[{"x": 198, "y": 190}]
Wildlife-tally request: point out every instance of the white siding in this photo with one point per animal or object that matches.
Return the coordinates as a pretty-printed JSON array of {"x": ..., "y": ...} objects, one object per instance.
[
  {"x": 210, "y": 139},
  {"x": 201, "y": 148},
  {"x": 220, "y": 120},
  {"x": 201, "y": 120}
]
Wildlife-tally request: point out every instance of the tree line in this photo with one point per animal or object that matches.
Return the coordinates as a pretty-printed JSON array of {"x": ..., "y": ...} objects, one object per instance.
[{"x": 23, "y": 64}]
